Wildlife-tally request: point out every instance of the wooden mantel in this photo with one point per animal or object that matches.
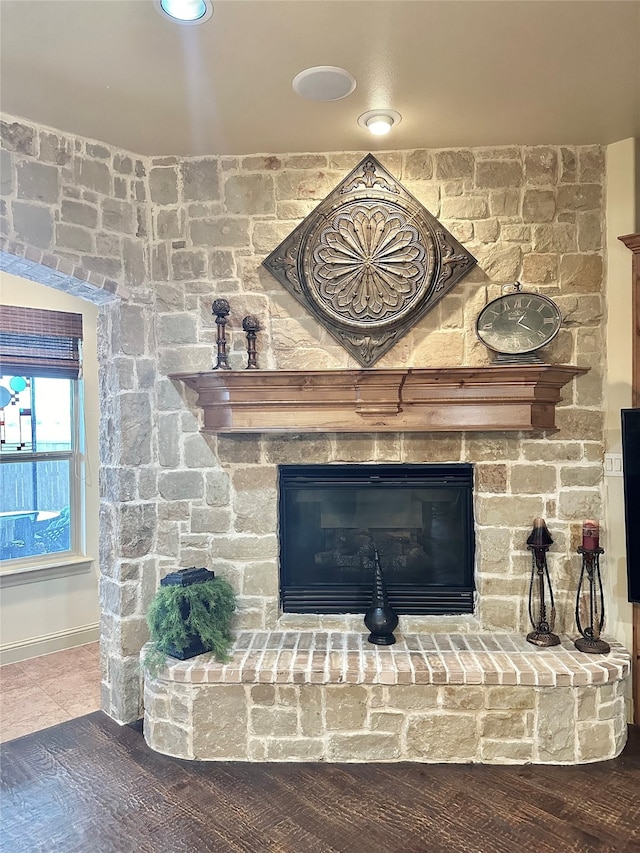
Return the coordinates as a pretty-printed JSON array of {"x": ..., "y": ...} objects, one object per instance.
[{"x": 506, "y": 397}]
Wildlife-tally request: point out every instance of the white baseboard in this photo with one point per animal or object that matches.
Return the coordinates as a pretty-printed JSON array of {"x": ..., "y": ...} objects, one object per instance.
[{"x": 36, "y": 646}]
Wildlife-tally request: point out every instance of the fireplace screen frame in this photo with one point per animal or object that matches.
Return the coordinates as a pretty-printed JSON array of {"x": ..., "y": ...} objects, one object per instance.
[{"x": 406, "y": 599}]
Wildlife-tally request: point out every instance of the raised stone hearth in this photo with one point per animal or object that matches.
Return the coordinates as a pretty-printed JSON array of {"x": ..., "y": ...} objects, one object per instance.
[{"x": 331, "y": 696}]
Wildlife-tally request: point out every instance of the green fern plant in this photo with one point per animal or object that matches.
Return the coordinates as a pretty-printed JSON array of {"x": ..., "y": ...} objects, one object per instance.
[{"x": 180, "y": 615}]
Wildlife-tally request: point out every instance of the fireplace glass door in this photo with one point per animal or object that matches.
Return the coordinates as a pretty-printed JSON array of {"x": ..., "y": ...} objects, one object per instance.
[{"x": 417, "y": 518}]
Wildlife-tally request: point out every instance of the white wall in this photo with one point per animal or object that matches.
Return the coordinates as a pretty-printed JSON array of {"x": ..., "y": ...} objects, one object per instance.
[
  {"x": 621, "y": 219},
  {"x": 57, "y": 607}
]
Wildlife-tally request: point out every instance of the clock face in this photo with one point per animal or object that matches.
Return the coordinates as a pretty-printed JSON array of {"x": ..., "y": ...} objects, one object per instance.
[{"x": 518, "y": 323}]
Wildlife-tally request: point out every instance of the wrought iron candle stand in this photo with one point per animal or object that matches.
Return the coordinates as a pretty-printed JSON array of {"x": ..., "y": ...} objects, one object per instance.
[
  {"x": 221, "y": 309},
  {"x": 539, "y": 542},
  {"x": 590, "y": 641},
  {"x": 251, "y": 326},
  {"x": 380, "y": 618}
]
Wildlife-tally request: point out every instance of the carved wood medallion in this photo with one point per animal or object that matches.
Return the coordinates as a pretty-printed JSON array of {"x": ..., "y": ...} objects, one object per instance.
[{"x": 369, "y": 261}]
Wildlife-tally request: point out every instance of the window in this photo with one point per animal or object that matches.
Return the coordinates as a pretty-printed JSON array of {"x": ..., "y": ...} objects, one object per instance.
[{"x": 41, "y": 441}]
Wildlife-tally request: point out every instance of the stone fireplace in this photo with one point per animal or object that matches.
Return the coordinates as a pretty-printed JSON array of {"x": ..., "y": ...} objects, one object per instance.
[
  {"x": 513, "y": 476},
  {"x": 456, "y": 687},
  {"x": 154, "y": 240}
]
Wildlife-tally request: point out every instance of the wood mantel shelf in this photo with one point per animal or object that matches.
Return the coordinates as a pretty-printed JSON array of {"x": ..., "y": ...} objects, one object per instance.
[{"x": 509, "y": 397}]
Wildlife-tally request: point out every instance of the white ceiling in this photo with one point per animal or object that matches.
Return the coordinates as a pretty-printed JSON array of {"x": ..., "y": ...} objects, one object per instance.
[{"x": 460, "y": 72}]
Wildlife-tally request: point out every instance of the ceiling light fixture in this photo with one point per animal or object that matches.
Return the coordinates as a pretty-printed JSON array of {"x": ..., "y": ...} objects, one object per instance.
[
  {"x": 379, "y": 122},
  {"x": 185, "y": 11},
  {"x": 324, "y": 83}
]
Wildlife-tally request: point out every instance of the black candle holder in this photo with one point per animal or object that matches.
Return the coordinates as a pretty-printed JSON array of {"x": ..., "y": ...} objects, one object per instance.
[
  {"x": 538, "y": 543},
  {"x": 251, "y": 326},
  {"x": 590, "y": 641},
  {"x": 380, "y": 618},
  {"x": 221, "y": 309}
]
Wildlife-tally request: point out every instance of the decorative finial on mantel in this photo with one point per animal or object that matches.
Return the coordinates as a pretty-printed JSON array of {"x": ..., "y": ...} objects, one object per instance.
[
  {"x": 251, "y": 326},
  {"x": 221, "y": 309}
]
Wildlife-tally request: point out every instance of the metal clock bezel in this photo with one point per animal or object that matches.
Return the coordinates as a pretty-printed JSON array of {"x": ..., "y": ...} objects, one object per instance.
[{"x": 502, "y": 299}]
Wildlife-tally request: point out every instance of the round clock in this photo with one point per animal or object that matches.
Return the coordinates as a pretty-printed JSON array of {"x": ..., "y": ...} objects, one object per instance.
[{"x": 517, "y": 324}]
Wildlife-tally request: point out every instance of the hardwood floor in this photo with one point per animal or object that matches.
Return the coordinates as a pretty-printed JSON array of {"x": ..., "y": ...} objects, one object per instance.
[{"x": 90, "y": 786}]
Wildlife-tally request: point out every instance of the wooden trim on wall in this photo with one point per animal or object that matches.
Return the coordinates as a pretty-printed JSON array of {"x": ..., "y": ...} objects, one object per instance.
[{"x": 632, "y": 242}]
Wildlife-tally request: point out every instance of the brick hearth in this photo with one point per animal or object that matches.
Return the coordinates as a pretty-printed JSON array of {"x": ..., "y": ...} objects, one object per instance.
[{"x": 330, "y": 695}]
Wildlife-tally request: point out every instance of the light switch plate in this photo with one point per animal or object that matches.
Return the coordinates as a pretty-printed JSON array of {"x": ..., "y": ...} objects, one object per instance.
[{"x": 613, "y": 464}]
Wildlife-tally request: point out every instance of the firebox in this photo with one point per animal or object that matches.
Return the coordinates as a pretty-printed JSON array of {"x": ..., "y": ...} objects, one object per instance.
[{"x": 418, "y": 519}]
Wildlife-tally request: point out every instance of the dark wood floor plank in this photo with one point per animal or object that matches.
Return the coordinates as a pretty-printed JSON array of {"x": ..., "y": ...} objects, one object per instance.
[
  {"x": 90, "y": 786},
  {"x": 553, "y": 807}
]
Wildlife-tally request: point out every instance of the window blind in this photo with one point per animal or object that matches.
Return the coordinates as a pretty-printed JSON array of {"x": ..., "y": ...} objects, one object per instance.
[{"x": 37, "y": 342}]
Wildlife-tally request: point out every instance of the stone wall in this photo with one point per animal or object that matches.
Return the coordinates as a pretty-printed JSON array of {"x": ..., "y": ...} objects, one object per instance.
[{"x": 165, "y": 236}]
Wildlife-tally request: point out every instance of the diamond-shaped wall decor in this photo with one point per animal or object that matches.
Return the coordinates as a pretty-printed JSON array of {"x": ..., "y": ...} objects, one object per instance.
[{"x": 369, "y": 261}]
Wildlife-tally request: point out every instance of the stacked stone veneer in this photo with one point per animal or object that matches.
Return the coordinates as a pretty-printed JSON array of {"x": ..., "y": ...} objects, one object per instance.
[
  {"x": 331, "y": 696},
  {"x": 155, "y": 240}
]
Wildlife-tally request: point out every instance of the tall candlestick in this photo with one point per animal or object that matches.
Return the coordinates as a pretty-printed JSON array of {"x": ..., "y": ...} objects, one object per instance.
[
  {"x": 539, "y": 542},
  {"x": 590, "y": 595},
  {"x": 590, "y": 535}
]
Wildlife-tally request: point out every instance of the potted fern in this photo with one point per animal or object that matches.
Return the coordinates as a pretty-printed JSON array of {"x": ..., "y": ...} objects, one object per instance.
[{"x": 190, "y": 614}]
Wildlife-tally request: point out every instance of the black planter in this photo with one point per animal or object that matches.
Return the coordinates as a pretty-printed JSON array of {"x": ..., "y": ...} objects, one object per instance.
[
  {"x": 187, "y": 577},
  {"x": 194, "y": 649}
]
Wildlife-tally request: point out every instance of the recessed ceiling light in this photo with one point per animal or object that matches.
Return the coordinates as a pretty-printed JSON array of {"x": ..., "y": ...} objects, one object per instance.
[
  {"x": 324, "y": 83},
  {"x": 379, "y": 122},
  {"x": 185, "y": 11}
]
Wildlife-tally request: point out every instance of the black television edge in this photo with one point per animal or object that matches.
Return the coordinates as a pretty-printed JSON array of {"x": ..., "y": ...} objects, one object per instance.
[{"x": 631, "y": 474}]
